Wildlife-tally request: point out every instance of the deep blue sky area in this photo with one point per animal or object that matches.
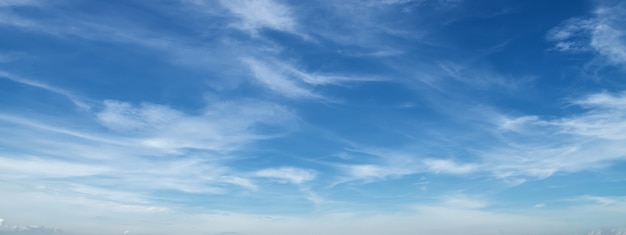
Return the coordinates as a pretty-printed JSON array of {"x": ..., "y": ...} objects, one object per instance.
[{"x": 312, "y": 117}]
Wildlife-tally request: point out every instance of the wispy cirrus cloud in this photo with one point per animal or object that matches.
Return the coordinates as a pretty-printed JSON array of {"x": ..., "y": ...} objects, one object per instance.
[
  {"x": 278, "y": 82},
  {"x": 49, "y": 88},
  {"x": 289, "y": 174},
  {"x": 603, "y": 33},
  {"x": 363, "y": 33},
  {"x": 183, "y": 49},
  {"x": 157, "y": 153},
  {"x": 604, "y": 117},
  {"x": 18, "y": 167},
  {"x": 63, "y": 25},
  {"x": 481, "y": 79},
  {"x": 542, "y": 147},
  {"x": 222, "y": 126},
  {"x": 292, "y": 82},
  {"x": 265, "y": 14},
  {"x": 530, "y": 147},
  {"x": 150, "y": 147},
  {"x": 377, "y": 165},
  {"x": 447, "y": 166},
  {"x": 570, "y": 35}
]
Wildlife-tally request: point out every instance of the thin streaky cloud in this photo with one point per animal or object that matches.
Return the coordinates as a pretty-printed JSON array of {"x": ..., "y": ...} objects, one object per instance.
[
  {"x": 73, "y": 98},
  {"x": 289, "y": 174},
  {"x": 292, "y": 82},
  {"x": 180, "y": 49},
  {"x": 162, "y": 127},
  {"x": 317, "y": 117},
  {"x": 579, "y": 143},
  {"x": 265, "y": 14},
  {"x": 16, "y": 120},
  {"x": 449, "y": 166},
  {"x": 41, "y": 167},
  {"x": 602, "y": 33},
  {"x": 278, "y": 82}
]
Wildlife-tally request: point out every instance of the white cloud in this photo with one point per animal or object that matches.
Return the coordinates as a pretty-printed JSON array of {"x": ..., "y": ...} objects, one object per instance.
[
  {"x": 280, "y": 77},
  {"x": 368, "y": 171},
  {"x": 384, "y": 165},
  {"x": 126, "y": 182},
  {"x": 314, "y": 198},
  {"x": 292, "y": 82},
  {"x": 377, "y": 172},
  {"x": 149, "y": 148},
  {"x": 122, "y": 116},
  {"x": 603, "y": 33},
  {"x": 541, "y": 161},
  {"x": 540, "y": 147},
  {"x": 481, "y": 79},
  {"x": 604, "y": 117},
  {"x": 517, "y": 124},
  {"x": 142, "y": 131},
  {"x": 64, "y": 25},
  {"x": 571, "y": 29},
  {"x": 315, "y": 79},
  {"x": 366, "y": 30},
  {"x": 255, "y": 15},
  {"x": 604, "y": 101},
  {"x": 449, "y": 166},
  {"x": 277, "y": 81},
  {"x": 243, "y": 182},
  {"x": 289, "y": 174},
  {"x": 525, "y": 147},
  {"x": 189, "y": 175},
  {"x": 47, "y": 168},
  {"x": 608, "y": 35},
  {"x": 223, "y": 126},
  {"x": 603, "y": 201},
  {"x": 73, "y": 98},
  {"x": 56, "y": 129}
]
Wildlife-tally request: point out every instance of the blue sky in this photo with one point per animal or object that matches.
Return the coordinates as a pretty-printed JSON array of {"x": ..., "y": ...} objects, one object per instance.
[{"x": 312, "y": 117}]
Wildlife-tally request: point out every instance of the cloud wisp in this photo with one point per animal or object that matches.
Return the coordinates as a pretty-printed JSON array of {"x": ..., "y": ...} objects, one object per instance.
[
  {"x": 530, "y": 147},
  {"x": 311, "y": 117},
  {"x": 287, "y": 174},
  {"x": 222, "y": 127},
  {"x": 147, "y": 148},
  {"x": 258, "y": 15},
  {"x": 292, "y": 82},
  {"x": 604, "y": 33}
]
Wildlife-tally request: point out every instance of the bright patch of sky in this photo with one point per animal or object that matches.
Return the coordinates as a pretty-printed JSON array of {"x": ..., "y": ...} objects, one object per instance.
[{"x": 313, "y": 117}]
